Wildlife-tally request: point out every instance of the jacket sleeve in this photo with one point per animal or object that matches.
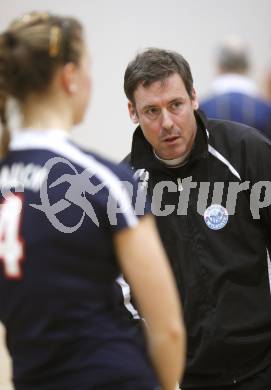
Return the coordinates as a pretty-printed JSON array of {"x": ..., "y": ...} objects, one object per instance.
[{"x": 257, "y": 168}]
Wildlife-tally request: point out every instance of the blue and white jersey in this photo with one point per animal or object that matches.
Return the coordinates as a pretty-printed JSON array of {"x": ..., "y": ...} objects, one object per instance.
[
  {"x": 60, "y": 208},
  {"x": 234, "y": 98}
]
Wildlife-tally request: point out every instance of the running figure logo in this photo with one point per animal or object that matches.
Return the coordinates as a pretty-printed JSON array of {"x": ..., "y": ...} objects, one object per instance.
[{"x": 80, "y": 184}]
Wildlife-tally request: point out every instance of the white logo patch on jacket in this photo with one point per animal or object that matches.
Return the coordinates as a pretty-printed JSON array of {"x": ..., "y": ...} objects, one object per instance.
[{"x": 216, "y": 216}]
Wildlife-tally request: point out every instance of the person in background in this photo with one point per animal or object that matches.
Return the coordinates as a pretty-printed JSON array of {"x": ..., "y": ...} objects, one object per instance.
[
  {"x": 209, "y": 185},
  {"x": 61, "y": 246},
  {"x": 234, "y": 95}
]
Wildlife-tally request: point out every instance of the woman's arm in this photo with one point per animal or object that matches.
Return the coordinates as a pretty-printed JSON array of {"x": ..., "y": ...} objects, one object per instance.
[{"x": 146, "y": 268}]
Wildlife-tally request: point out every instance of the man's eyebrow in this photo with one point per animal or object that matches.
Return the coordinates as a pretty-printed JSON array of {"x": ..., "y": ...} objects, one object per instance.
[
  {"x": 148, "y": 106},
  {"x": 177, "y": 99}
]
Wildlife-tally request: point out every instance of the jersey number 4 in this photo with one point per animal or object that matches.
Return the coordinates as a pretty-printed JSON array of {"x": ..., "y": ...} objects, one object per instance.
[{"x": 11, "y": 244}]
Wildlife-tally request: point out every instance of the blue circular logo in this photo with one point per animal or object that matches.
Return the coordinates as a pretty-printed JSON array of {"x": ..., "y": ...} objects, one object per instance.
[{"x": 216, "y": 216}]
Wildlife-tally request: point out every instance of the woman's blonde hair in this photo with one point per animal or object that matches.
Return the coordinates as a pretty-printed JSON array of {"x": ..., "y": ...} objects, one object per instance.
[{"x": 31, "y": 50}]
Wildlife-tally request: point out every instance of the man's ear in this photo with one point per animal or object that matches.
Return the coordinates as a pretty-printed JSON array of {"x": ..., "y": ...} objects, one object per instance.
[
  {"x": 132, "y": 113},
  {"x": 69, "y": 78},
  {"x": 194, "y": 100}
]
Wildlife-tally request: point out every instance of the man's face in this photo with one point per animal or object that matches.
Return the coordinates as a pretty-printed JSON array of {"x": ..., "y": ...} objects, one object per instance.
[{"x": 165, "y": 113}]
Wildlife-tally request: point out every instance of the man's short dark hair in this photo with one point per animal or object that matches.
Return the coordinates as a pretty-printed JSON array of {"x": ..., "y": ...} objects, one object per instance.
[{"x": 156, "y": 65}]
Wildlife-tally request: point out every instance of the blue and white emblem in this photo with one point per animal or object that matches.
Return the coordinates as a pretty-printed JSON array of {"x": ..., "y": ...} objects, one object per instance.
[{"x": 216, "y": 216}]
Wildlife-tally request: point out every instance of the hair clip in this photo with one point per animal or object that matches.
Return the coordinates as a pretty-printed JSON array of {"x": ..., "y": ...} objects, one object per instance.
[{"x": 54, "y": 42}]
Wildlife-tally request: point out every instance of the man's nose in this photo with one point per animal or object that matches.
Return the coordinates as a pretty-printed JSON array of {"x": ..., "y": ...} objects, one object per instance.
[{"x": 167, "y": 122}]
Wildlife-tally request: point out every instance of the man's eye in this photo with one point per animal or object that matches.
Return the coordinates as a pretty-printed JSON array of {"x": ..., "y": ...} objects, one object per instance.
[
  {"x": 176, "y": 105},
  {"x": 152, "y": 111}
]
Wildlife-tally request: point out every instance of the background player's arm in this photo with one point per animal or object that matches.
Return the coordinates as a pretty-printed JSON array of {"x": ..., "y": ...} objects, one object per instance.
[{"x": 145, "y": 267}]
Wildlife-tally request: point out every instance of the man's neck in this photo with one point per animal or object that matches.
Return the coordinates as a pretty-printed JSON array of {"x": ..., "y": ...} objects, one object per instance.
[{"x": 175, "y": 162}]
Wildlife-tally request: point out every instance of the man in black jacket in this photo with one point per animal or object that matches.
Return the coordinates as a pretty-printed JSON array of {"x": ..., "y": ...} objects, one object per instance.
[{"x": 209, "y": 185}]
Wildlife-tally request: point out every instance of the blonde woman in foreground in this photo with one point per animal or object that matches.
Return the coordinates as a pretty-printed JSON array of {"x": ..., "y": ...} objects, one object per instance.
[{"x": 62, "y": 246}]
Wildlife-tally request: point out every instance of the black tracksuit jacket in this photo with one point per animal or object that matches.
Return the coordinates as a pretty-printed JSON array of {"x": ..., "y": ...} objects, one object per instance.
[{"x": 222, "y": 274}]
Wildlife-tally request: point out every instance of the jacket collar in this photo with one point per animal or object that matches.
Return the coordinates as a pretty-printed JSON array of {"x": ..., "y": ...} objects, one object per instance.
[{"x": 142, "y": 156}]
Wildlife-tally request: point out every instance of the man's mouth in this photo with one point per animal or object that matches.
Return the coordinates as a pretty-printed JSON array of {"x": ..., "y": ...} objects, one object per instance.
[{"x": 171, "y": 139}]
